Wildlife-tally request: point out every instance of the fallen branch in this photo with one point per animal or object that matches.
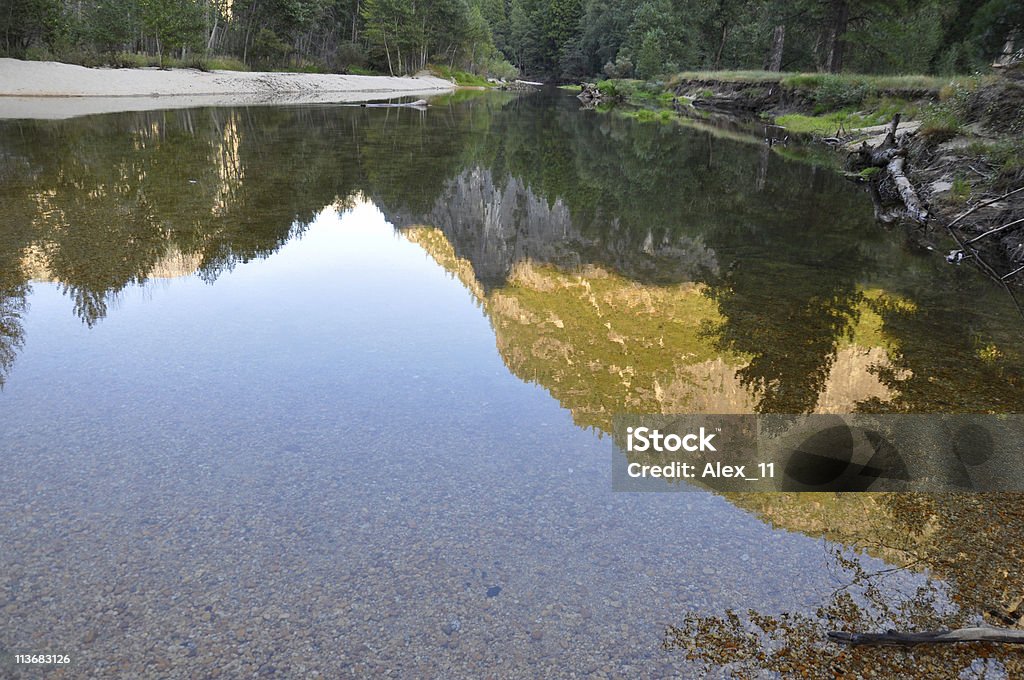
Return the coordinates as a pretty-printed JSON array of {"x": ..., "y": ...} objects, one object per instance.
[
  {"x": 894, "y": 638},
  {"x": 1016, "y": 271},
  {"x": 982, "y": 205},
  {"x": 906, "y": 190},
  {"x": 877, "y": 157},
  {"x": 891, "y": 155},
  {"x": 890, "y": 137},
  {"x": 994, "y": 231}
]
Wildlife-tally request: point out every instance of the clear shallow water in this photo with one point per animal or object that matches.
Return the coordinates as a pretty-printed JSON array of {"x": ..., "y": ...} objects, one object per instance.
[{"x": 291, "y": 391}]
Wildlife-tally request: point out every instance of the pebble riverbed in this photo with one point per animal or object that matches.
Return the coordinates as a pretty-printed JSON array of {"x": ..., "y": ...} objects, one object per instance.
[{"x": 253, "y": 480}]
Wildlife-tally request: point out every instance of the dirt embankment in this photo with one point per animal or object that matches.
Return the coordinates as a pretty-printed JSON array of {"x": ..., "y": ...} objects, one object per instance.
[
  {"x": 774, "y": 96},
  {"x": 42, "y": 89},
  {"x": 962, "y": 156}
]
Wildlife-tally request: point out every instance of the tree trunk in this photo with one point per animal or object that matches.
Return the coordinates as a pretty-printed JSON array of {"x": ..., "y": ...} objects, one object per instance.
[
  {"x": 837, "y": 37},
  {"x": 774, "y": 60},
  {"x": 388, "y": 52},
  {"x": 721, "y": 46},
  {"x": 248, "y": 32}
]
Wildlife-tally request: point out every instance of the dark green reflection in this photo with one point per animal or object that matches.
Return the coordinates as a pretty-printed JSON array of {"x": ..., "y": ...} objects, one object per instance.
[{"x": 624, "y": 265}]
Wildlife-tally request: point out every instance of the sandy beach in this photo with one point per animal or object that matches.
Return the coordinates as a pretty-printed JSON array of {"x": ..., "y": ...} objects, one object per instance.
[{"x": 51, "y": 90}]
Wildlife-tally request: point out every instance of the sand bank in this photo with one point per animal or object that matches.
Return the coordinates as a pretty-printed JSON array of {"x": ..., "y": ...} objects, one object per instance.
[{"x": 46, "y": 89}]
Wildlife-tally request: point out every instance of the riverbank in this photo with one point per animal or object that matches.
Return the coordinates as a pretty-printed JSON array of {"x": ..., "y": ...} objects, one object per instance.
[
  {"x": 962, "y": 138},
  {"x": 52, "y": 90}
]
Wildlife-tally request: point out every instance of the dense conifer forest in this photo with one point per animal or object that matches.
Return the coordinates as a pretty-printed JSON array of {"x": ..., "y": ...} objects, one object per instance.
[{"x": 557, "y": 40}]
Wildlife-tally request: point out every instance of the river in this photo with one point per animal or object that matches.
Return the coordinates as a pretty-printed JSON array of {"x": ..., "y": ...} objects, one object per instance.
[{"x": 325, "y": 391}]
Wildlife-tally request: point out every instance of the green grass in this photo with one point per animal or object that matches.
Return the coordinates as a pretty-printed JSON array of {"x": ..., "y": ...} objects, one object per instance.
[
  {"x": 305, "y": 67},
  {"x": 873, "y": 82},
  {"x": 462, "y": 78},
  {"x": 961, "y": 191},
  {"x": 832, "y": 92},
  {"x": 876, "y": 112},
  {"x": 1006, "y": 156},
  {"x": 725, "y": 76},
  {"x": 947, "y": 117},
  {"x": 571, "y": 88},
  {"x": 225, "y": 64},
  {"x": 815, "y": 80}
]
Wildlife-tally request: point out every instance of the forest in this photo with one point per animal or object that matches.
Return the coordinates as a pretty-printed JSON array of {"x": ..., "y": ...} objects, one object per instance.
[{"x": 553, "y": 40}]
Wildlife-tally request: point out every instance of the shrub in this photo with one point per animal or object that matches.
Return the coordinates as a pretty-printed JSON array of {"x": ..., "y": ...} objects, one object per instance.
[
  {"x": 608, "y": 89},
  {"x": 622, "y": 68},
  {"x": 225, "y": 64},
  {"x": 458, "y": 77},
  {"x": 268, "y": 49},
  {"x": 944, "y": 119},
  {"x": 500, "y": 68},
  {"x": 348, "y": 55},
  {"x": 835, "y": 93}
]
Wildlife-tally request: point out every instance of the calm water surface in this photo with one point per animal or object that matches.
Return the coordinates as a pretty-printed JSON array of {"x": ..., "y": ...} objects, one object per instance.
[{"x": 325, "y": 391}]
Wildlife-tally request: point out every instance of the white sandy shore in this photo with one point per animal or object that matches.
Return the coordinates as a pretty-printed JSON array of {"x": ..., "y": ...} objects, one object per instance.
[{"x": 46, "y": 89}]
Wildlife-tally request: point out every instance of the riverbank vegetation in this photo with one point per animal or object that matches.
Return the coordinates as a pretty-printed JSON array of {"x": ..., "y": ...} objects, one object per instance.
[{"x": 559, "y": 40}]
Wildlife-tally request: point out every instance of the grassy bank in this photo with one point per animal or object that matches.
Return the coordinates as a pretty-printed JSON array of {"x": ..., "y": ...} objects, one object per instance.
[
  {"x": 816, "y": 80},
  {"x": 827, "y": 105},
  {"x": 809, "y": 102}
]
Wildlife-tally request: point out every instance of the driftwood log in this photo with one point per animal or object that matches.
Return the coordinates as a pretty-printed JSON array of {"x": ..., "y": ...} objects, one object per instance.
[
  {"x": 880, "y": 155},
  {"x": 896, "y": 639},
  {"x": 590, "y": 95},
  {"x": 418, "y": 104},
  {"x": 891, "y": 155},
  {"x": 906, "y": 190}
]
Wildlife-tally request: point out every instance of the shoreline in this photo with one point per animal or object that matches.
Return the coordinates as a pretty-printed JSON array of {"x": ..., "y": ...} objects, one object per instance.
[
  {"x": 52, "y": 90},
  {"x": 941, "y": 163}
]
